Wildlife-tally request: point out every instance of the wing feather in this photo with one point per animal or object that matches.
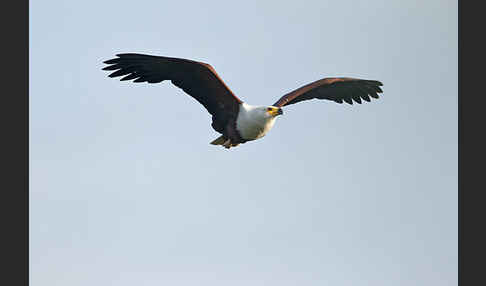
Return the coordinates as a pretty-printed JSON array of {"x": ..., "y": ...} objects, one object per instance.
[
  {"x": 337, "y": 89},
  {"x": 197, "y": 79}
]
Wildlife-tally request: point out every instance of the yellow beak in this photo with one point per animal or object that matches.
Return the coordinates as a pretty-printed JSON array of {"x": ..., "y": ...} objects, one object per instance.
[{"x": 275, "y": 111}]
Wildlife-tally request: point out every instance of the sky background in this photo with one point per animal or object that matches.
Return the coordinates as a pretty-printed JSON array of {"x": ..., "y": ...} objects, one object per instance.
[{"x": 125, "y": 188}]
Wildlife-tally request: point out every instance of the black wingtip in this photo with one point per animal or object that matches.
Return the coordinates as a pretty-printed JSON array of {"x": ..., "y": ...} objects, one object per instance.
[
  {"x": 111, "y": 67},
  {"x": 132, "y": 55},
  {"x": 111, "y": 61},
  {"x": 129, "y": 77},
  {"x": 374, "y": 82}
]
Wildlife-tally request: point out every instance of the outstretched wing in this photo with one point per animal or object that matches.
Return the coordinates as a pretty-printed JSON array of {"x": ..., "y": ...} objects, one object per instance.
[
  {"x": 197, "y": 79},
  {"x": 338, "y": 89}
]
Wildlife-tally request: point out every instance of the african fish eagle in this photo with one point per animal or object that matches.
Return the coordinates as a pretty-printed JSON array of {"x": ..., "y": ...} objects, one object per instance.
[{"x": 237, "y": 121}]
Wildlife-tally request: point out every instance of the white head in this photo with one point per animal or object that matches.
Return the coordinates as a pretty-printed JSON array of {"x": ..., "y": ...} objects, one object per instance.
[
  {"x": 255, "y": 121},
  {"x": 269, "y": 112}
]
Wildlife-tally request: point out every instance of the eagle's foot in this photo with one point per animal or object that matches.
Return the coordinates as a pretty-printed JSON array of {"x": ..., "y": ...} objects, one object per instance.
[{"x": 227, "y": 144}]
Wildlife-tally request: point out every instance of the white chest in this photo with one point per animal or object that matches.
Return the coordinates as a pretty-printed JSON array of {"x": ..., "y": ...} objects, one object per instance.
[{"x": 253, "y": 123}]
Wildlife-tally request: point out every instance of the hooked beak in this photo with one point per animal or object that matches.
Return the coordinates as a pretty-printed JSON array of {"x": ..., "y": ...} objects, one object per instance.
[{"x": 274, "y": 111}]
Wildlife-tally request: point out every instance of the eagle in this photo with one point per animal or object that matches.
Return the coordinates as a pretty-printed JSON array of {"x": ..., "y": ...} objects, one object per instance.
[{"x": 236, "y": 121}]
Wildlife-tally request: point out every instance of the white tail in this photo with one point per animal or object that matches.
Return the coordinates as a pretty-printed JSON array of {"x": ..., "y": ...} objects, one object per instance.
[{"x": 218, "y": 141}]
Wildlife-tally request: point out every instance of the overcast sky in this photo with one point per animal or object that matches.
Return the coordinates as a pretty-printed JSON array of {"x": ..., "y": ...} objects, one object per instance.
[{"x": 125, "y": 188}]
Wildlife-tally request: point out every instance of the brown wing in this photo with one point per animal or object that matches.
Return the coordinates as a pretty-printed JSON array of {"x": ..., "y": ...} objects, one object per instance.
[
  {"x": 197, "y": 79},
  {"x": 338, "y": 89}
]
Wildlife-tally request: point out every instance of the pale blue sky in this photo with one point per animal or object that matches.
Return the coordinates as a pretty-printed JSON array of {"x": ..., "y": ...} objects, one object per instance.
[{"x": 126, "y": 190}]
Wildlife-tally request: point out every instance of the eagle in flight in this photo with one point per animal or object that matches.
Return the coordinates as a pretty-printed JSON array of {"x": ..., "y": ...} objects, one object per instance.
[{"x": 237, "y": 121}]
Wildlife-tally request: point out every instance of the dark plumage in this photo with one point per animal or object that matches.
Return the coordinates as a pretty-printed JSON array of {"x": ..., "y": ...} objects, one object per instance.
[
  {"x": 197, "y": 79},
  {"x": 337, "y": 89}
]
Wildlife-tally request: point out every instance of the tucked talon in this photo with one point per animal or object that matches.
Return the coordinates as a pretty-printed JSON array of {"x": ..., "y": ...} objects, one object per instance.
[{"x": 227, "y": 144}]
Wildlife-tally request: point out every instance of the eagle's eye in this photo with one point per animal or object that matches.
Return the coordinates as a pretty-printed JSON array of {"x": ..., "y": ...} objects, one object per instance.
[{"x": 269, "y": 109}]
